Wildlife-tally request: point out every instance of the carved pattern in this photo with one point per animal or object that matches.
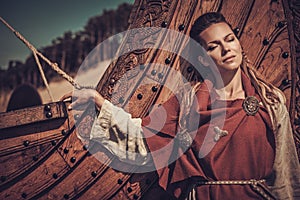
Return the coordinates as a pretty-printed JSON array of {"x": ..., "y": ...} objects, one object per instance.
[
  {"x": 86, "y": 178},
  {"x": 264, "y": 50},
  {"x": 84, "y": 127},
  {"x": 128, "y": 64},
  {"x": 130, "y": 71},
  {"x": 152, "y": 13},
  {"x": 294, "y": 6},
  {"x": 276, "y": 66}
]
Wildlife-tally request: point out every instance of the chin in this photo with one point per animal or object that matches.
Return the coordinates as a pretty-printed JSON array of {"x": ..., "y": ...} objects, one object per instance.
[{"x": 228, "y": 68}]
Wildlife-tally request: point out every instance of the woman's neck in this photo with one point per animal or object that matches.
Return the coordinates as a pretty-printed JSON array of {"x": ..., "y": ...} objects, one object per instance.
[{"x": 232, "y": 87}]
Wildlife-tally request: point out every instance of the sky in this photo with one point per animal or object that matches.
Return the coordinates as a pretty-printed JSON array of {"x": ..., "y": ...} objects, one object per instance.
[{"x": 42, "y": 21}]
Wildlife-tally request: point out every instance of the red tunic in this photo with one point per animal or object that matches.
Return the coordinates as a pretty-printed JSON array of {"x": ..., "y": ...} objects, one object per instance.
[{"x": 247, "y": 152}]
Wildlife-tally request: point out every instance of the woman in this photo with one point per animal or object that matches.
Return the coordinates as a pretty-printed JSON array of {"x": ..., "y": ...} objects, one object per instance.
[{"x": 249, "y": 154}]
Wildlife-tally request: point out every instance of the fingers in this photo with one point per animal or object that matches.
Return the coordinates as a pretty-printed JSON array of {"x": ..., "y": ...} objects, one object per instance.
[
  {"x": 78, "y": 104},
  {"x": 66, "y": 96},
  {"x": 72, "y": 105},
  {"x": 80, "y": 98}
]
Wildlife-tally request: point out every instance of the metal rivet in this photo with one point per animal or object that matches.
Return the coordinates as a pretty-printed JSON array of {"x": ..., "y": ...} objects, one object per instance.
[
  {"x": 168, "y": 61},
  {"x": 286, "y": 82},
  {"x": 236, "y": 30},
  {"x": 63, "y": 132},
  {"x": 142, "y": 67},
  {"x": 112, "y": 81},
  {"x": 153, "y": 72},
  {"x": 73, "y": 160},
  {"x": 35, "y": 158},
  {"x": 47, "y": 108},
  {"x": 164, "y": 24},
  {"x": 24, "y": 195},
  {"x": 53, "y": 142},
  {"x": 139, "y": 96},
  {"x": 148, "y": 181},
  {"x": 280, "y": 24},
  {"x": 48, "y": 114},
  {"x": 297, "y": 122},
  {"x": 135, "y": 196},
  {"x": 160, "y": 75},
  {"x": 26, "y": 143},
  {"x": 181, "y": 27},
  {"x": 129, "y": 189},
  {"x": 189, "y": 69},
  {"x": 3, "y": 178},
  {"x": 55, "y": 176},
  {"x": 76, "y": 116},
  {"x": 120, "y": 181},
  {"x": 85, "y": 147},
  {"x": 154, "y": 89},
  {"x": 66, "y": 150},
  {"x": 285, "y": 55},
  {"x": 88, "y": 153},
  {"x": 121, "y": 100},
  {"x": 94, "y": 174},
  {"x": 66, "y": 196},
  {"x": 266, "y": 41}
]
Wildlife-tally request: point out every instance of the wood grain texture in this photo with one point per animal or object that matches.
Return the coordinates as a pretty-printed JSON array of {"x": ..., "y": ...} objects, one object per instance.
[
  {"x": 292, "y": 8},
  {"x": 43, "y": 158}
]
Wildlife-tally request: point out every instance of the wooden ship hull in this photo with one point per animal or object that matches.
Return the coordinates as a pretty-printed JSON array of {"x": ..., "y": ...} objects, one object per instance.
[{"x": 40, "y": 154}]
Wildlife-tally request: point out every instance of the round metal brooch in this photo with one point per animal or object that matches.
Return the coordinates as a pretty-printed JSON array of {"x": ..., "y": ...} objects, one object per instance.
[{"x": 251, "y": 105}]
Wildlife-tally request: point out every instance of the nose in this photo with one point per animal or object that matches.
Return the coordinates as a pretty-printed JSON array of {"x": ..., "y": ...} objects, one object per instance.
[{"x": 225, "y": 49}]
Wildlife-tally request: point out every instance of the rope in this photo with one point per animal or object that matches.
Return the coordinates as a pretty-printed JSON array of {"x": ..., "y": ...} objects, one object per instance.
[
  {"x": 43, "y": 76},
  {"x": 35, "y": 52}
]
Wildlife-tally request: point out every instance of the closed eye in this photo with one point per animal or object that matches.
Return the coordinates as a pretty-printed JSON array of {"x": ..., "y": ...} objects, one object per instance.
[
  {"x": 229, "y": 38},
  {"x": 211, "y": 48}
]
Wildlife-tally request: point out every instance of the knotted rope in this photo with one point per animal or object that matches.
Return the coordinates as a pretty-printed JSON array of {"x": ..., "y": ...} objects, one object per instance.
[{"x": 36, "y": 53}]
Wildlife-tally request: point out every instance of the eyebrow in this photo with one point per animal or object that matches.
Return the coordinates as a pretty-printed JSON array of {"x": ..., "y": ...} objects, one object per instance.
[{"x": 216, "y": 41}]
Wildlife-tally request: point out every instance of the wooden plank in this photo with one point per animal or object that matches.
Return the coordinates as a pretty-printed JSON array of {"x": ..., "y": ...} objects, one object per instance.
[
  {"x": 22, "y": 155},
  {"x": 34, "y": 114},
  {"x": 38, "y": 180},
  {"x": 58, "y": 174}
]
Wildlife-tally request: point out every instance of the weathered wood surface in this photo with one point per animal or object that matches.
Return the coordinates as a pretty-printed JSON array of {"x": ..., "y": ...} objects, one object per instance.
[{"x": 43, "y": 158}]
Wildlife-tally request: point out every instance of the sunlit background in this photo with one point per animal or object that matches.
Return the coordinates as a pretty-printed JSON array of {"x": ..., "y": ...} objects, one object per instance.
[{"x": 65, "y": 31}]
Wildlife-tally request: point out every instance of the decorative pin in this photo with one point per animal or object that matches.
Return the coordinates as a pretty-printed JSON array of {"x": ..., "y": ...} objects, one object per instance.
[
  {"x": 251, "y": 105},
  {"x": 219, "y": 133}
]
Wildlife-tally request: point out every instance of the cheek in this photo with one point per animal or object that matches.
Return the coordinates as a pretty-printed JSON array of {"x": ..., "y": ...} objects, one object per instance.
[
  {"x": 238, "y": 48},
  {"x": 239, "y": 51},
  {"x": 214, "y": 56}
]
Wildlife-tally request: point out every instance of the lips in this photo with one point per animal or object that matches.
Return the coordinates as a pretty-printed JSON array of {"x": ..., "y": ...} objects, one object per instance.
[{"x": 229, "y": 58}]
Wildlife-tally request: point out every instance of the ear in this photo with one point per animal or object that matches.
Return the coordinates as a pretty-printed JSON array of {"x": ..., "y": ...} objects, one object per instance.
[{"x": 204, "y": 61}]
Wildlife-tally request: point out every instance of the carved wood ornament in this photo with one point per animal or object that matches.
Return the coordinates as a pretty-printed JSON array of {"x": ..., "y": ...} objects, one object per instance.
[{"x": 43, "y": 158}]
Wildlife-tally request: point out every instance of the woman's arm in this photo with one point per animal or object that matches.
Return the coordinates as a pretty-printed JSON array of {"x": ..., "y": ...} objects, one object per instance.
[
  {"x": 83, "y": 96},
  {"x": 114, "y": 128}
]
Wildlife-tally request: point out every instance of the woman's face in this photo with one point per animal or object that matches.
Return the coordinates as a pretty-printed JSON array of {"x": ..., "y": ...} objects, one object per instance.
[{"x": 223, "y": 47}]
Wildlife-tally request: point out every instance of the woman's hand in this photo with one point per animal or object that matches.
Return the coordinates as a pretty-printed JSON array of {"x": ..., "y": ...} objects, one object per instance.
[{"x": 82, "y": 97}]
